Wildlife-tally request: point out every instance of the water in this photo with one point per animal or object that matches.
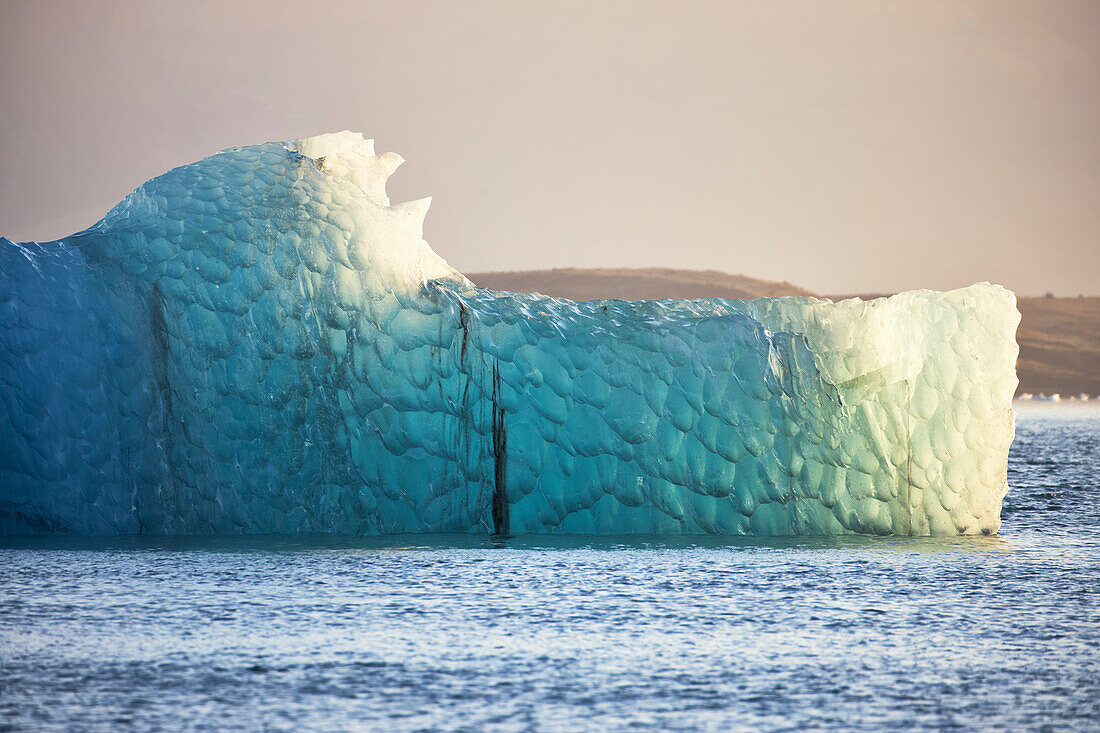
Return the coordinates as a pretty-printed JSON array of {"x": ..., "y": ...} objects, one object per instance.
[{"x": 466, "y": 633}]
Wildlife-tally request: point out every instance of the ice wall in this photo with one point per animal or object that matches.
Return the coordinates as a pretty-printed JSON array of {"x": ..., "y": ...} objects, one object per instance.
[{"x": 260, "y": 342}]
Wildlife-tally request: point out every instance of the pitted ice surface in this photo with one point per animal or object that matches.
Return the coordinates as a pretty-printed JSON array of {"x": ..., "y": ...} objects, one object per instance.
[{"x": 261, "y": 342}]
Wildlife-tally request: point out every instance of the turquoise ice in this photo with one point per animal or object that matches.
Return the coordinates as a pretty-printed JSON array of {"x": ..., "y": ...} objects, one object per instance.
[{"x": 261, "y": 342}]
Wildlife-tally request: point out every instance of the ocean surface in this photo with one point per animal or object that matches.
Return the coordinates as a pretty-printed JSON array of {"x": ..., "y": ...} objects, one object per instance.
[{"x": 582, "y": 633}]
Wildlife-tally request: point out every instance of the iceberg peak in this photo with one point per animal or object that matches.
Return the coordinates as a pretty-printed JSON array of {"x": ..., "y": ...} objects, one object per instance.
[{"x": 348, "y": 154}]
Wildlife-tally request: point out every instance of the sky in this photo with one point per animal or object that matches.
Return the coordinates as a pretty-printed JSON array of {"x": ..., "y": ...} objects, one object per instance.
[{"x": 846, "y": 147}]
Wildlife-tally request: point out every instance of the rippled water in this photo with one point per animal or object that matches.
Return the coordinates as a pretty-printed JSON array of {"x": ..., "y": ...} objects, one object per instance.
[{"x": 463, "y": 633}]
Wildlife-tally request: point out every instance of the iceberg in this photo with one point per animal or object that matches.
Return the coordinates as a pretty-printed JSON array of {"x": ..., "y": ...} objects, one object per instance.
[{"x": 260, "y": 342}]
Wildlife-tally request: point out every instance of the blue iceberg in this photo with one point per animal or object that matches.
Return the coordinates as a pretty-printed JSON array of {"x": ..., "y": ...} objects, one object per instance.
[{"x": 261, "y": 342}]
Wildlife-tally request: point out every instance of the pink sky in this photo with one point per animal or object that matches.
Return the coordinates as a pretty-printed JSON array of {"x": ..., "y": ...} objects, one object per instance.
[{"x": 843, "y": 146}]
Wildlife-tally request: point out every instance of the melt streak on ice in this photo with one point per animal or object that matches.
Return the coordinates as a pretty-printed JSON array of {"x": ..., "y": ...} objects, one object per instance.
[{"x": 261, "y": 342}]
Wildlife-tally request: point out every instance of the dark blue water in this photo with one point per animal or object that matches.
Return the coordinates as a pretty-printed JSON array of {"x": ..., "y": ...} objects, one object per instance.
[{"x": 463, "y": 633}]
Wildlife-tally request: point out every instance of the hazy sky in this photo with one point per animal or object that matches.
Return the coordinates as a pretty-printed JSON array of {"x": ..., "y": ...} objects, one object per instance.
[{"x": 843, "y": 146}]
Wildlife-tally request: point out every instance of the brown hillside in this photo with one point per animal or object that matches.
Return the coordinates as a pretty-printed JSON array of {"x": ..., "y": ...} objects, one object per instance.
[
  {"x": 1059, "y": 345},
  {"x": 1059, "y": 337},
  {"x": 642, "y": 284}
]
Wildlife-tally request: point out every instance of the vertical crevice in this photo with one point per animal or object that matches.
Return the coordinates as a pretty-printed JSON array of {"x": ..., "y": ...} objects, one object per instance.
[
  {"x": 464, "y": 324},
  {"x": 909, "y": 453},
  {"x": 161, "y": 356},
  {"x": 500, "y": 459},
  {"x": 467, "y": 449}
]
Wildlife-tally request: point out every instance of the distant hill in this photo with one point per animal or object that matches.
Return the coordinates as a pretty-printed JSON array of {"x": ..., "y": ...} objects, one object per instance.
[
  {"x": 1059, "y": 337},
  {"x": 1059, "y": 345},
  {"x": 634, "y": 284}
]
